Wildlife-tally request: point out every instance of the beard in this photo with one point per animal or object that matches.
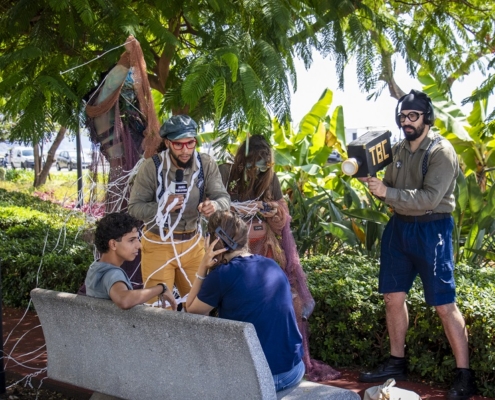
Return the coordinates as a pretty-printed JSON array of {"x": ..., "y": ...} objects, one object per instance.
[
  {"x": 416, "y": 133},
  {"x": 181, "y": 164}
]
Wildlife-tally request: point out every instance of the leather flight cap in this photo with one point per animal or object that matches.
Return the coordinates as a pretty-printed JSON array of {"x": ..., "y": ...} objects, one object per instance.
[{"x": 179, "y": 127}]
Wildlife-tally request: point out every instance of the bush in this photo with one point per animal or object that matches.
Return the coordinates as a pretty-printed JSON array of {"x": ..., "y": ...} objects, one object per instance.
[
  {"x": 40, "y": 248},
  {"x": 19, "y": 176},
  {"x": 348, "y": 324}
]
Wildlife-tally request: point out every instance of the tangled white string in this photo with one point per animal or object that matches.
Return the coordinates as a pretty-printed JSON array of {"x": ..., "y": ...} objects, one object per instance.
[
  {"x": 94, "y": 209},
  {"x": 97, "y": 57},
  {"x": 163, "y": 218}
]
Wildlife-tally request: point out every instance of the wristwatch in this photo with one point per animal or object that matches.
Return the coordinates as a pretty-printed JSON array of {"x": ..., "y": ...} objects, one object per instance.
[{"x": 163, "y": 286}]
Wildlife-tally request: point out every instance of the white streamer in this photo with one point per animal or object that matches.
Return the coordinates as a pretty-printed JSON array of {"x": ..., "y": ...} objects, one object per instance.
[{"x": 97, "y": 57}]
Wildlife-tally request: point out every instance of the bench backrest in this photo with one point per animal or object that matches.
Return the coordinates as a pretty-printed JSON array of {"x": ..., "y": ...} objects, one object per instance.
[{"x": 150, "y": 353}]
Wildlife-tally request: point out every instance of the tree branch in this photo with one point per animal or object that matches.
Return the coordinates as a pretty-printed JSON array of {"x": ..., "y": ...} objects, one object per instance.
[{"x": 163, "y": 66}]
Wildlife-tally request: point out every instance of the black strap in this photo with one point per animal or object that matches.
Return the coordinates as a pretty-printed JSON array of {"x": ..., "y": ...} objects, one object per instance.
[
  {"x": 201, "y": 180},
  {"x": 157, "y": 162},
  {"x": 424, "y": 167},
  {"x": 427, "y": 154}
]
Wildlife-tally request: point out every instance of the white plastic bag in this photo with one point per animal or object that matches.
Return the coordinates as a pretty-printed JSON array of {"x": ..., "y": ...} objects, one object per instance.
[{"x": 388, "y": 391}]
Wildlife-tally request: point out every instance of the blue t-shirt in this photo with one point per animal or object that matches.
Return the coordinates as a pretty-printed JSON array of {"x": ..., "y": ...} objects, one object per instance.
[
  {"x": 101, "y": 277},
  {"x": 255, "y": 289}
]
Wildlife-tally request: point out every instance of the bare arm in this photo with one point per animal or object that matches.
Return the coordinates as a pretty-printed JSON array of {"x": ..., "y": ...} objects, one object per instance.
[
  {"x": 193, "y": 304},
  {"x": 125, "y": 298}
]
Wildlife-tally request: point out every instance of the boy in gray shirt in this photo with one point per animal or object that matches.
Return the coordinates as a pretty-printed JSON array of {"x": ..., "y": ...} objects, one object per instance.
[{"x": 117, "y": 240}]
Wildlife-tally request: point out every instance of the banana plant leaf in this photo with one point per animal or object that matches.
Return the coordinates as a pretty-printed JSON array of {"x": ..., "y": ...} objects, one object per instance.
[
  {"x": 341, "y": 231},
  {"x": 367, "y": 215}
]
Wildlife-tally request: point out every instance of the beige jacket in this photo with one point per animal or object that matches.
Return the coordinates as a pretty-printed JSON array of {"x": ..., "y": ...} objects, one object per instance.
[{"x": 407, "y": 192}]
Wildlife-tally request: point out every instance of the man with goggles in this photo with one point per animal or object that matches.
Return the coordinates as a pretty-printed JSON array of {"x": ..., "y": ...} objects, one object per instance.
[
  {"x": 419, "y": 185},
  {"x": 171, "y": 192}
]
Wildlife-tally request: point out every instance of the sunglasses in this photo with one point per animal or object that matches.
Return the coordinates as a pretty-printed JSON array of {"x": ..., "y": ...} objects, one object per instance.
[{"x": 180, "y": 145}]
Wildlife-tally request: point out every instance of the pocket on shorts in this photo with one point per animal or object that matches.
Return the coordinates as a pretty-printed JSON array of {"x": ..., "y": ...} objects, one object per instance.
[{"x": 444, "y": 278}]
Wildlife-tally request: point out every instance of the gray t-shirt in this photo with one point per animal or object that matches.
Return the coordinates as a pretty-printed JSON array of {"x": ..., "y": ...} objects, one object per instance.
[{"x": 101, "y": 277}]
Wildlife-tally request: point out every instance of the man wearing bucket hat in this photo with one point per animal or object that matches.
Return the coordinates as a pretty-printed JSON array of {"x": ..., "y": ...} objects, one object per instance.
[
  {"x": 419, "y": 186},
  {"x": 172, "y": 191}
]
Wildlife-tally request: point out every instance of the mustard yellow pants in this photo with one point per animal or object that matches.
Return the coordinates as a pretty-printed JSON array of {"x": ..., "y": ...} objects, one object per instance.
[{"x": 160, "y": 264}]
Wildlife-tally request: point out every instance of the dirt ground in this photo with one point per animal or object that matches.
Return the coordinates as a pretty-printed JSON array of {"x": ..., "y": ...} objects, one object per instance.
[{"x": 21, "y": 392}]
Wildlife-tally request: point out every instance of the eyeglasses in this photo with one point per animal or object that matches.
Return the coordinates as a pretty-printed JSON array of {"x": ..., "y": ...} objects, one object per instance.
[
  {"x": 413, "y": 116},
  {"x": 180, "y": 145}
]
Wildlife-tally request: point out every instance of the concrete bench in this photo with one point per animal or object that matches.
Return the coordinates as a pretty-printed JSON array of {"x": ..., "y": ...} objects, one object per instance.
[{"x": 150, "y": 353}]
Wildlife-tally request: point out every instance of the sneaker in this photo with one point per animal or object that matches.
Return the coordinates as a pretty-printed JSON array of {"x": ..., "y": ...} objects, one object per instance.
[
  {"x": 392, "y": 368},
  {"x": 464, "y": 385}
]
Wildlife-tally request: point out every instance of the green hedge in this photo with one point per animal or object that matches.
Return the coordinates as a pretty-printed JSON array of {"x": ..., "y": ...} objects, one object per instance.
[
  {"x": 41, "y": 245},
  {"x": 348, "y": 324}
]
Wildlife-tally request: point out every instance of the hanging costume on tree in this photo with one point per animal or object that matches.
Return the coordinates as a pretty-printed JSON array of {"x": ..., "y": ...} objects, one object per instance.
[
  {"x": 123, "y": 125},
  {"x": 122, "y": 121}
]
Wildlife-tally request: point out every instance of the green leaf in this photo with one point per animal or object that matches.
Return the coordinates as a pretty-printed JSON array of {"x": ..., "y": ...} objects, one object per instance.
[
  {"x": 489, "y": 255},
  {"x": 367, "y": 214},
  {"x": 486, "y": 217},
  {"x": 312, "y": 120},
  {"x": 233, "y": 62},
  {"x": 462, "y": 193},
  {"x": 341, "y": 231},
  {"x": 311, "y": 169},
  {"x": 475, "y": 195},
  {"x": 284, "y": 157},
  {"x": 337, "y": 126},
  {"x": 219, "y": 98}
]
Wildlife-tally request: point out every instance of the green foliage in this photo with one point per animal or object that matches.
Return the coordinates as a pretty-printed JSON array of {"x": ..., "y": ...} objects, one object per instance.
[
  {"x": 330, "y": 212},
  {"x": 41, "y": 245},
  {"x": 475, "y": 190},
  {"x": 19, "y": 176},
  {"x": 61, "y": 187},
  {"x": 231, "y": 63},
  {"x": 348, "y": 325},
  {"x": 348, "y": 322}
]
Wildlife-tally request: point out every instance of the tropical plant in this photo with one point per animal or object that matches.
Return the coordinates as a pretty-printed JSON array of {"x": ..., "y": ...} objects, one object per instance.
[{"x": 475, "y": 145}]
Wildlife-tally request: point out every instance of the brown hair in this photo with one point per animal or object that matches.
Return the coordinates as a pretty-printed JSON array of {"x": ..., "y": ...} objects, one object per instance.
[
  {"x": 256, "y": 186},
  {"x": 232, "y": 225}
]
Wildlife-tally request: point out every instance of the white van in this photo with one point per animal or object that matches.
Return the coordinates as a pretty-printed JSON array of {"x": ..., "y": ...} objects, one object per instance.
[{"x": 22, "y": 157}]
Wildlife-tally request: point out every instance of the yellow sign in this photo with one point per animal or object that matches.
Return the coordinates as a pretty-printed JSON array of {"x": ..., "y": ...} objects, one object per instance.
[{"x": 378, "y": 153}]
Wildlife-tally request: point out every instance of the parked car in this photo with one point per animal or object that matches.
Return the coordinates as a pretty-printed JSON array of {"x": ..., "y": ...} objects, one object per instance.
[
  {"x": 334, "y": 157},
  {"x": 68, "y": 159},
  {"x": 22, "y": 157}
]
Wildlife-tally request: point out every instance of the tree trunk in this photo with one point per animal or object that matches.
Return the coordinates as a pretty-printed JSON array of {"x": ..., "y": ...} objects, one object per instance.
[{"x": 40, "y": 179}]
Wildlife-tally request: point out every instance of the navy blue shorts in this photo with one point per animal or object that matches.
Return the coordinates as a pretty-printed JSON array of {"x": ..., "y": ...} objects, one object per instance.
[{"x": 424, "y": 248}]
